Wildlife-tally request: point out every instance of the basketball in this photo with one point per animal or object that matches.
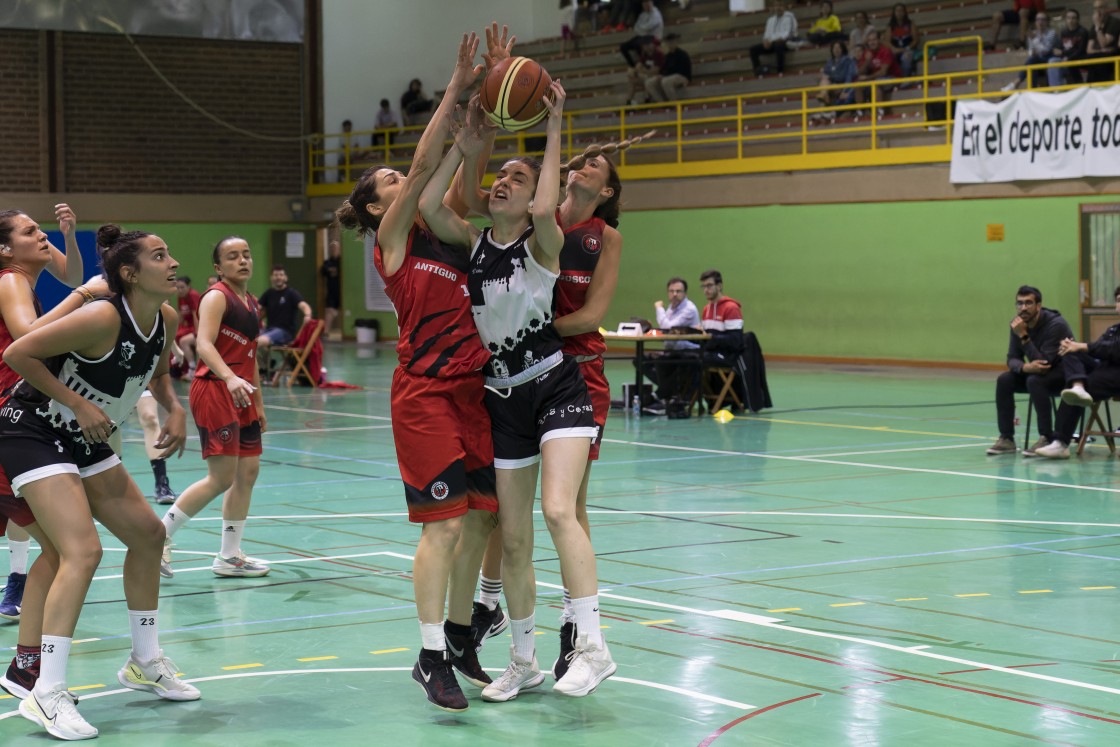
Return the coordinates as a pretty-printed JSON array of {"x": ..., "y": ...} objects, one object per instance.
[{"x": 513, "y": 93}]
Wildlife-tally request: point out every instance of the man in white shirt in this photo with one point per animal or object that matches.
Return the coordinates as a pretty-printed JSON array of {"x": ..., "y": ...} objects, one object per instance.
[
  {"x": 649, "y": 27},
  {"x": 781, "y": 29},
  {"x": 670, "y": 369}
]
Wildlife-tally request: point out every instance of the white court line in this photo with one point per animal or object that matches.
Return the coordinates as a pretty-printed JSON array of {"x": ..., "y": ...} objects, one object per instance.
[
  {"x": 330, "y": 412},
  {"x": 897, "y": 451},
  {"x": 306, "y": 431},
  {"x": 887, "y": 467},
  {"x": 274, "y": 562},
  {"x": 643, "y": 683}
]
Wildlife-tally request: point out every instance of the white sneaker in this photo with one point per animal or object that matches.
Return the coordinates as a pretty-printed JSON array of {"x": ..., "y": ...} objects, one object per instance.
[
  {"x": 56, "y": 712},
  {"x": 1053, "y": 450},
  {"x": 158, "y": 676},
  {"x": 1010, "y": 86},
  {"x": 591, "y": 665},
  {"x": 521, "y": 674},
  {"x": 1077, "y": 396},
  {"x": 239, "y": 566},
  {"x": 165, "y": 561}
]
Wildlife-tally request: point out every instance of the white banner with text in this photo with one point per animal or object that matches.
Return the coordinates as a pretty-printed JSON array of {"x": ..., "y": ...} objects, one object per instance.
[{"x": 1032, "y": 136}]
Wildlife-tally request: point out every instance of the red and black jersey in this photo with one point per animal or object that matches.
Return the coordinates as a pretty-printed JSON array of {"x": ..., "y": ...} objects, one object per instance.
[
  {"x": 583, "y": 245},
  {"x": 7, "y": 375},
  {"x": 188, "y": 312},
  {"x": 429, "y": 292},
  {"x": 237, "y": 335}
]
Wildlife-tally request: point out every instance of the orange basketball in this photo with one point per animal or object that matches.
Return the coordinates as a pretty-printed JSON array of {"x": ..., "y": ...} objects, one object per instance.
[{"x": 513, "y": 93}]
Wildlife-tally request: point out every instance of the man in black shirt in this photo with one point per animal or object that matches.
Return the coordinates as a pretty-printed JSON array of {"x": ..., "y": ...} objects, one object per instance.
[
  {"x": 675, "y": 74},
  {"x": 278, "y": 312},
  {"x": 1033, "y": 366}
]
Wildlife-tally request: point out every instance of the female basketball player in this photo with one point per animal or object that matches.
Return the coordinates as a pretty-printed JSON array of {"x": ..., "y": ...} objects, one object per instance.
[
  {"x": 228, "y": 408},
  {"x": 539, "y": 406},
  {"x": 440, "y": 425},
  {"x": 82, "y": 374}
]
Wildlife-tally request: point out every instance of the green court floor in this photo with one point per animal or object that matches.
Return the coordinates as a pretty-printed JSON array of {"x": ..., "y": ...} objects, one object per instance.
[{"x": 848, "y": 568}]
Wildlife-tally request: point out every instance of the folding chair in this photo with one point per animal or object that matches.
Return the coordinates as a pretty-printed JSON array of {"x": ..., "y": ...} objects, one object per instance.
[
  {"x": 297, "y": 356},
  {"x": 725, "y": 381},
  {"x": 1095, "y": 426}
]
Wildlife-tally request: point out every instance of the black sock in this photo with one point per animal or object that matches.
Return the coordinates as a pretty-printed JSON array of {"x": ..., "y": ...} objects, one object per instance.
[
  {"x": 450, "y": 628},
  {"x": 159, "y": 469}
]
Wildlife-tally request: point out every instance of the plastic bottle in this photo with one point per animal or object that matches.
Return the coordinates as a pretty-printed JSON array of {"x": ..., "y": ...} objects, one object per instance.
[{"x": 636, "y": 405}]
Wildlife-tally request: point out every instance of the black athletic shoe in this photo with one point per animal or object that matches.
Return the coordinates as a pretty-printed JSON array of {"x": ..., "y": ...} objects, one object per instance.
[
  {"x": 434, "y": 674},
  {"x": 567, "y": 650},
  {"x": 487, "y": 623},
  {"x": 165, "y": 496},
  {"x": 19, "y": 682},
  {"x": 461, "y": 653}
]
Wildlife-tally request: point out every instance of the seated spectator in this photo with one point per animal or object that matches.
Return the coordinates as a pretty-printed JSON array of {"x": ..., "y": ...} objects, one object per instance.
[
  {"x": 826, "y": 29},
  {"x": 730, "y": 346},
  {"x": 876, "y": 63},
  {"x": 1020, "y": 15},
  {"x": 666, "y": 368},
  {"x": 1099, "y": 366},
  {"x": 781, "y": 29},
  {"x": 839, "y": 69},
  {"x": 859, "y": 33},
  {"x": 904, "y": 39},
  {"x": 279, "y": 305},
  {"x": 1103, "y": 38},
  {"x": 414, "y": 103},
  {"x": 675, "y": 74},
  {"x": 569, "y": 17},
  {"x": 650, "y": 61},
  {"x": 647, "y": 29},
  {"x": 1034, "y": 365},
  {"x": 386, "y": 124},
  {"x": 1074, "y": 43},
  {"x": 185, "y": 335},
  {"x": 1042, "y": 45}
]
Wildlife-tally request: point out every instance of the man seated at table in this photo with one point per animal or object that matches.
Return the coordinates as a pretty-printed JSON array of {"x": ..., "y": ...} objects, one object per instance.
[{"x": 670, "y": 369}]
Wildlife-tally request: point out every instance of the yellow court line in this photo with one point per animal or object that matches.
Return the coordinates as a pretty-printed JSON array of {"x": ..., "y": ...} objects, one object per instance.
[
  {"x": 1037, "y": 591},
  {"x": 1096, "y": 588},
  {"x": 656, "y": 622},
  {"x": 85, "y": 687},
  {"x": 881, "y": 428},
  {"x": 786, "y": 609},
  {"x": 847, "y": 604},
  {"x": 317, "y": 658},
  {"x": 971, "y": 595},
  {"x": 912, "y": 599},
  {"x": 242, "y": 666},
  {"x": 389, "y": 651}
]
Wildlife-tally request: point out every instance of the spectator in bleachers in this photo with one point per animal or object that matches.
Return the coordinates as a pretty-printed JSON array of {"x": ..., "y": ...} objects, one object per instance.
[
  {"x": 621, "y": 14},
  {"x": 647, "y": 29},
  {"x": 414, "y": 102},
  {"x": 386, "y": 124},
  {"x": 1103, "y": 38},
  {"x": 675, "y": 74},
  {"x": 1041, "y": 47},
  {"x": 1021, "y": 14},
  {"x": 569, "y": 17},
  {"x": 781, "y": 29},
  {"x": 839, "y": 69},
  {"x": 876, "y": 63},
  {"x": 904, "y": 39},
  {"x": 859, "y": 33},
  {"x": 650, "y": 61},
  {"x": 1074, "y": 43},
  {"x": 826, "y": 28}
]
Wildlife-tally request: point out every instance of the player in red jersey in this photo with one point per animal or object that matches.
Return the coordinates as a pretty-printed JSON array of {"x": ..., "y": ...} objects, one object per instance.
[
  {"x": 228, "y": 409},
  {"x": 24, "y": 254},
  {"x": 440, "y": 426}
]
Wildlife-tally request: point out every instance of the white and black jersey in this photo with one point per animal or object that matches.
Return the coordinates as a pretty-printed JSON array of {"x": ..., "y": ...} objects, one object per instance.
[
  {"x": 113, "y": 382},
  {"x": 512, "y": 298}
]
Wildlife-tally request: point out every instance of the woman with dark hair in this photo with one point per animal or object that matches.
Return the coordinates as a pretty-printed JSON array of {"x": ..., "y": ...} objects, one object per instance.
[
  {"x": 839, "y": 70},
  {"x": 413, "y": 101},
  {"x": 228, "y": 408},
  {"x": 539, "y": 406},
  {"x": 904, "y": 38},
  {"x": 440, "y": 426},
  {"x": 82, "y": 374}
]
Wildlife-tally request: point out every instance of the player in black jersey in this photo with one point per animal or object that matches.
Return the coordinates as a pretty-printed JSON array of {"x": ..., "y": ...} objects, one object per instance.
[{"x": 82, "y": 375}]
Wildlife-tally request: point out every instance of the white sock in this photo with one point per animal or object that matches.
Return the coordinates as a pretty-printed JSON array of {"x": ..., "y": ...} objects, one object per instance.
[
  {"x": 174, "y": 520},
  {"x": 52, "y": 663},
  {"x": 433, "y": 637},
  {"x": 586, "y": 611},
  {"x": 490, "y": 592},
  {"x": 231, "y": 537},
  {"x": 145, "y": 634},
  {"x": 524, "y": 637},
  {"x": 567, "y": 615},
  {"x": 18, "y": 552}
]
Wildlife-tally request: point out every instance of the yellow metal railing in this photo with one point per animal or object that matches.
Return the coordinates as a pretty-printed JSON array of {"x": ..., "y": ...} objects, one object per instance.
[{"x": 740, "y": 133}]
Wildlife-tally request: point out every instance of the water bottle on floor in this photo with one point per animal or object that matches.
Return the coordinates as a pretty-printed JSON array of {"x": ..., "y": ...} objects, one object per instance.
[{"x": 636, "y": 405}]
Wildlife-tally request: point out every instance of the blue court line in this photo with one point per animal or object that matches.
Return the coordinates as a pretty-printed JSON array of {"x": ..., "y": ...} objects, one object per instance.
[{"x": 1080, "y": 554}]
